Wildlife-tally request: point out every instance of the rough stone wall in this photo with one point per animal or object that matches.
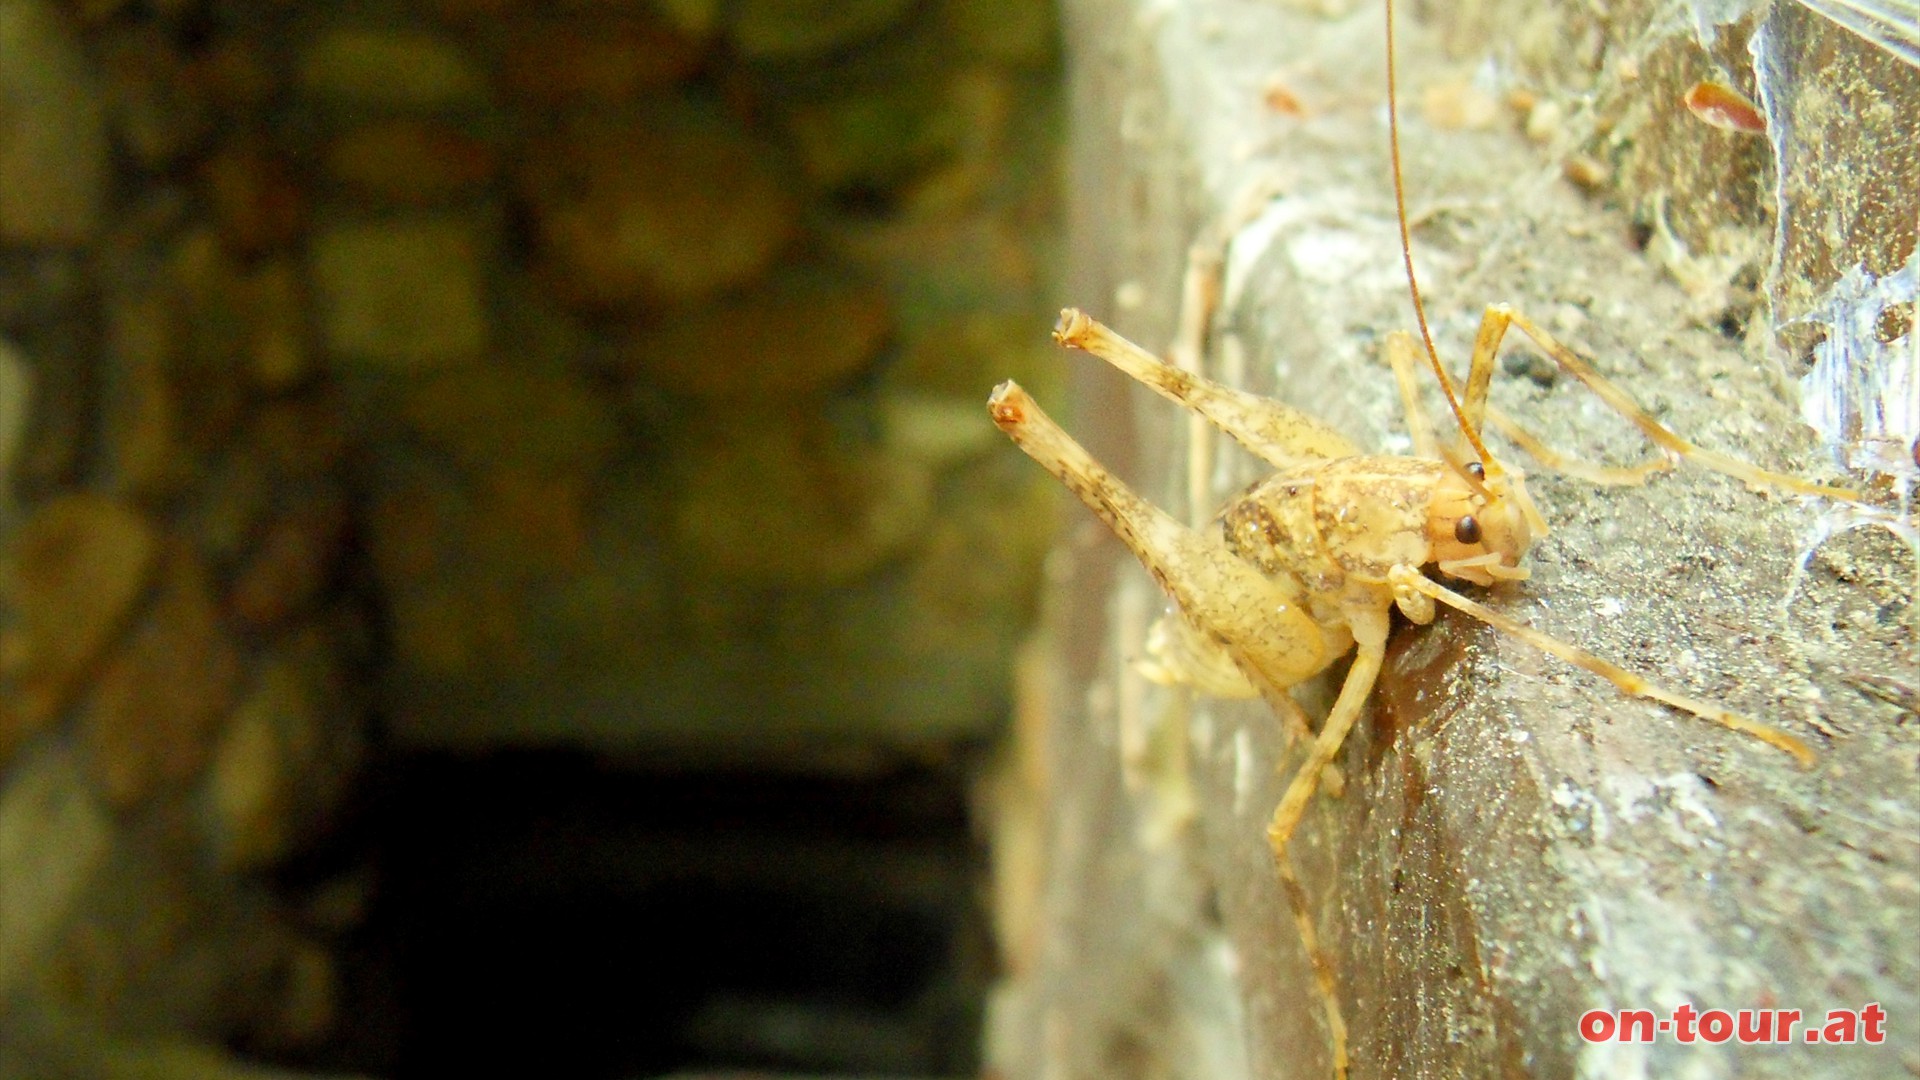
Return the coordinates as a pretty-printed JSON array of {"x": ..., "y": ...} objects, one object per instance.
[
  {"x": 177, "y": 708},
  {"x": 1517, "y": 843},
  {"x": 488, "y": 373}
]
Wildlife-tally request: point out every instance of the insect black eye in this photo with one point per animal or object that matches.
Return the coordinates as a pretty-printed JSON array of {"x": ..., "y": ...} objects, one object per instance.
[
  {"x": 1467, "y": 530},
  {"x": 1477, "y": 471}
]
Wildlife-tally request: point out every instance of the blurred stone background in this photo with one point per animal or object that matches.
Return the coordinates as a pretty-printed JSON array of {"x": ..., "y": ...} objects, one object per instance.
[{"x": 494, "y": 485}]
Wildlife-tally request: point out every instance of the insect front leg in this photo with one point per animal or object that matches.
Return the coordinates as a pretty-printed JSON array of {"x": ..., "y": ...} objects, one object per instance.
[
  {"x": 1407, "y": 578},
  {"x": 1486, "y": 350},
  {"x": 1493, "y": 327},
  {"x": 1370, "y": 637}
]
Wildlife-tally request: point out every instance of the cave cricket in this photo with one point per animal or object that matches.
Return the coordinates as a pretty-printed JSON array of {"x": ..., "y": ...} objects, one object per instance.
[{"x": 1307, "y": 565}]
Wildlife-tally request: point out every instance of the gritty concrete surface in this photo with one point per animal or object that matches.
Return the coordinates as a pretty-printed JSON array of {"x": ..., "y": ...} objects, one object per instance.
[{"x": 1518, "y": 843}]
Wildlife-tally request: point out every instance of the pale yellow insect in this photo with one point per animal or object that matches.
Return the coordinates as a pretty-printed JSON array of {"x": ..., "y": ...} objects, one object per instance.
[{"x": 1308, "y": 564}]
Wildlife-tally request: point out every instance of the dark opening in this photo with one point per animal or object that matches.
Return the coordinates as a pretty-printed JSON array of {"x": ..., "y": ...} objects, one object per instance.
[{"x": 541, "y": 914}]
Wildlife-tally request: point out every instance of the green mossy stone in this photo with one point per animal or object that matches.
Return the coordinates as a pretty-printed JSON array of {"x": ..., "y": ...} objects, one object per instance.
[
  {"x": 668, "y": 208},
  {"x": 491, "y": 417},
  {"x": 801, "y": 333},
  {"x": 395, "y": 69},
  {"x": 803, "y": 29},
  {"x": 74, "y": 573},
  {"x": 402, "y": 295},
  {"x": 779, "y": 499}
]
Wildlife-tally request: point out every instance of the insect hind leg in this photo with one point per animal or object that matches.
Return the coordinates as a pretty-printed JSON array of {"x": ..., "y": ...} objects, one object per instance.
[
  {"x": 1262, "y": 623},
  {"x": 1274, "y": 432}
]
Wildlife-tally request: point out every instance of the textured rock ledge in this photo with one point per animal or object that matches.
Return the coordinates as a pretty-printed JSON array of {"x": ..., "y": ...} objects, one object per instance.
[{"x": 1517, "y": 843}]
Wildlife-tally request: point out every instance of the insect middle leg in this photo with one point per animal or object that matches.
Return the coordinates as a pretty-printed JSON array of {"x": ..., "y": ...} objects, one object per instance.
[
  {"x": 1400, "y": 354},
  {"x": 1370, "y": 637}
]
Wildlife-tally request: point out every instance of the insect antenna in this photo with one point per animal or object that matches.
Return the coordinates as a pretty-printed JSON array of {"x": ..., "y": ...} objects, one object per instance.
[{"x": 1491, "y": 467}]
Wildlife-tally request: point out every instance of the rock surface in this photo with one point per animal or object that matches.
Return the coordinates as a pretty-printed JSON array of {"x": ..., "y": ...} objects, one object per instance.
[
  {"x": 151, "y": 718},
  {"x": 401, "y": 70},
  {"x": 1517, "y": 844}
]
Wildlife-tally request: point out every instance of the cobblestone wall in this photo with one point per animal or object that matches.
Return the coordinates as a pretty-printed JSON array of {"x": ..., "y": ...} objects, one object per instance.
[{"x": 479, "y": 373}]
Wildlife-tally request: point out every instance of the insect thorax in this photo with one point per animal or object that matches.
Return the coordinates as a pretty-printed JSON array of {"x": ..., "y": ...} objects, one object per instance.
[{"x": 1335, "y": 524}]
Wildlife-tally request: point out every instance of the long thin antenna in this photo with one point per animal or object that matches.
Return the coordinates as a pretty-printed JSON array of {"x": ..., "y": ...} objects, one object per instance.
[{"x": 1406, "y": 254}]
